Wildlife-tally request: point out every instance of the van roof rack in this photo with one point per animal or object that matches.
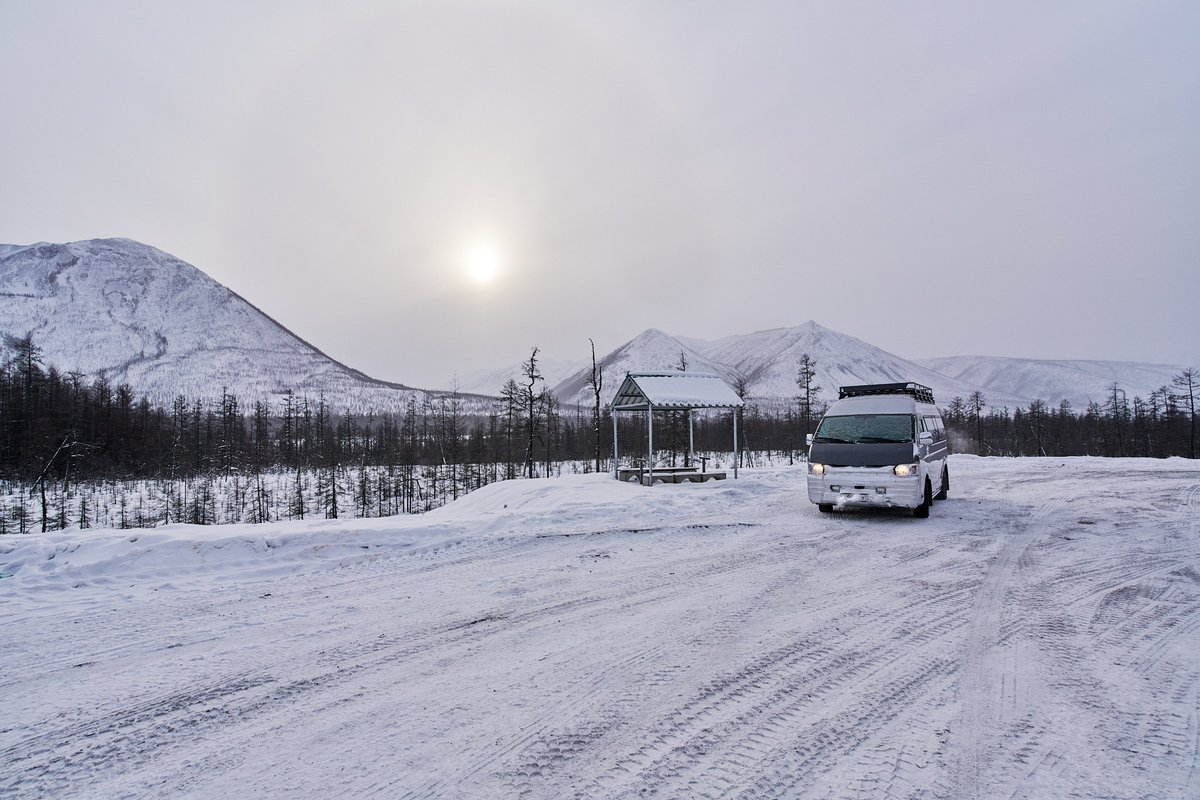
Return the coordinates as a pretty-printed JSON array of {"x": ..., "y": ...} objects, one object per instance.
[{"x": 922, "y": 393}]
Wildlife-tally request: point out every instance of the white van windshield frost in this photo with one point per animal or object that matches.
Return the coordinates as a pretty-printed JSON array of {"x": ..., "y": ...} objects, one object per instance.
[{"x": 863, "y": 428}]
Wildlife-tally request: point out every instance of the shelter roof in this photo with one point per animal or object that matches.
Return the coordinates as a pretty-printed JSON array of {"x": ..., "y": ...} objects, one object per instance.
[{"x": 673, "y": 390}]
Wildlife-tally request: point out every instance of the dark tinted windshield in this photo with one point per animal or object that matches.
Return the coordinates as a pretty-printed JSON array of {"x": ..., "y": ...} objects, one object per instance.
[{"x": 873, "y": 428}]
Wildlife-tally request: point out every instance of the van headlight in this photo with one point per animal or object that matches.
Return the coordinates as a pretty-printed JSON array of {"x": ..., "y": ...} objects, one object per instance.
[
  {"x": 904, "y": 470},
  {"x": 816, "y": 469}
]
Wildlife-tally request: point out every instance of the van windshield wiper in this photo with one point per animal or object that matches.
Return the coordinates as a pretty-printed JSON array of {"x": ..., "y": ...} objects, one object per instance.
[
  {"x": 832, "y": 439},
  {"x": 882, "y": 440}
]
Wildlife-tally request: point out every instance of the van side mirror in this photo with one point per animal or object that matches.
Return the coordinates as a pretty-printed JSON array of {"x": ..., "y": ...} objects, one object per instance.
[
  {"x": 925, "y": 437},
  {"x": 808, "y": 440}
]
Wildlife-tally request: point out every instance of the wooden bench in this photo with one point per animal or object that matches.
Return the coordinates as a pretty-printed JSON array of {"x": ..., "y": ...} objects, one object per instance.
[{"x": 668, "y": 475}]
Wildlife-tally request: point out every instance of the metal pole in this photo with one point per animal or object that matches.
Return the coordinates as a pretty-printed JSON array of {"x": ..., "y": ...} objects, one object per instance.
[
  {"x": 616, "y": 455},
  {"x": 649, "y": 443},
  {"x": 735, "y": 444},
  {"x": 691, "y": 442}
]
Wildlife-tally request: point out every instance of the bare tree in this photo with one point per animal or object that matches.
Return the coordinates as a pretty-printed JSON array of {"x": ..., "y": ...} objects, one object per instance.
[
  {"x": 956, "y": 412},
  {"x": 676, "y": 422},
  {"x": 1188, "y": 382},
  {"x": 1119, "y": 415},
  {"x": 551, "y": 426},
  {"x": 510, "y": 396},
  {"x": 1036, "y": 419},
  {"x": 975, "y": 404},
  {"x": 810, "y": 392},
  {"x": 596, "y": 382},
  {"x": 529, "y": 399}
]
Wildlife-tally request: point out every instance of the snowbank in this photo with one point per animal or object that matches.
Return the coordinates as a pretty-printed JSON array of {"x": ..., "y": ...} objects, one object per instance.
[{"x": 179, "y": 554}]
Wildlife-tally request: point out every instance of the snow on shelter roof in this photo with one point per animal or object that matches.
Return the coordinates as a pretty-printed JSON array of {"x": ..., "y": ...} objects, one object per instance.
[{"x": 673, "y": 390}]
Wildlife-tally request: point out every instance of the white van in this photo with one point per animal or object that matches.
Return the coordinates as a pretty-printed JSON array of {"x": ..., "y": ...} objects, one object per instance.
[{"x": 882, "y": 445}]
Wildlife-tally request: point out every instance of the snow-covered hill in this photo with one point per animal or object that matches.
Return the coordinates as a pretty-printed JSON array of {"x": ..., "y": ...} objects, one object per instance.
[
  {"x": 1078, "y": 382},
  {"x": 769, "y": 361},
  {"x": 648, "y": 351},
  {"x": 148, "y": 319},
  {"x": 143, "y": 317}
]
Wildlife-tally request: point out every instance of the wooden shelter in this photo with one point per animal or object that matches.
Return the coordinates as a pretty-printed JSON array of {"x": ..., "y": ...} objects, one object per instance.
[{"x": 671, "y": 391}]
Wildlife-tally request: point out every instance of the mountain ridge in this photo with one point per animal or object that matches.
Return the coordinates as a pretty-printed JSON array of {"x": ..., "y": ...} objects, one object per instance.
[
  {"x": 1078, "y": 381},
  {"x": 139, "y": 315},
  {"x": 768, "y": 361}
]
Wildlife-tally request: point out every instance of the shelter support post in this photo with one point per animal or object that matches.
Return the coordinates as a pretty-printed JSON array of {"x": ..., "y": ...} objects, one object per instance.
[
  {"x": 691, "y": 442},
  {"x": 616, "y": 454},
  {"x": 736, "y": 454},
  {"x": 649, "y": 444}
]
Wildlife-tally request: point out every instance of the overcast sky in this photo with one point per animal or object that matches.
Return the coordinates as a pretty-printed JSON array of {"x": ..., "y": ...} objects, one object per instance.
[{"x": 1011, "y": 179}]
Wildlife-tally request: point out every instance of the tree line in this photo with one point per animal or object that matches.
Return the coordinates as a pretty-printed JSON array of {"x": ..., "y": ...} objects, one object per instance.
[
  {"x": 59, "y": 429},
  {"x": 222, "y": 459},
  {"x": 1158, "y": 426}
]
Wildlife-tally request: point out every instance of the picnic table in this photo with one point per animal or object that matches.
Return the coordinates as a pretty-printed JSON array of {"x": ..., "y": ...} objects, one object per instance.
[{"x": 668, "y": 475}]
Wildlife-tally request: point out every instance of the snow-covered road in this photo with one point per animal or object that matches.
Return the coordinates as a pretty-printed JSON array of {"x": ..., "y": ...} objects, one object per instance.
[{"x": 1037, "y": 637}]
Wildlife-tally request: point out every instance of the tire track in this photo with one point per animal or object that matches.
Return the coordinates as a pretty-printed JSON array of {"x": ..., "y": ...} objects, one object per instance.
[
  {"x": 737, "y": 720},
  {"x": 809, "y": 755},
  {"x": 1192, "y": 500},
  {"x": 153, "y": 725},
  {"x": 540, "y": 747},
  {"x": 980, "y": 706},
  {"x": 554, "y": 747}
]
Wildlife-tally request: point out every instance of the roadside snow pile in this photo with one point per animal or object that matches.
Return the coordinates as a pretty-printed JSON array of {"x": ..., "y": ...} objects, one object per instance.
[{"x": 180, "y": 553}]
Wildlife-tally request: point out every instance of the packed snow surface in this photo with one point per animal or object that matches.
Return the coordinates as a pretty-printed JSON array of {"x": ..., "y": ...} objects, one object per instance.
[{"x": 1037, "y": 637}]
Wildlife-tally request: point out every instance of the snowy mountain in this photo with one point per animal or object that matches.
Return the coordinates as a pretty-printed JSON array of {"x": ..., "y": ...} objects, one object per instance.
[
  {"x": 648, "y": 351},
  {"x": 1078, "y": 382},
  {"x": 769, "y": 360},
  {"x": 143, "y": 317}
]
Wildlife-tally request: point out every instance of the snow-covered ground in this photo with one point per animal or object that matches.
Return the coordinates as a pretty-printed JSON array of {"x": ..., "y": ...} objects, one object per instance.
[{"x": 1037, "y": 637}]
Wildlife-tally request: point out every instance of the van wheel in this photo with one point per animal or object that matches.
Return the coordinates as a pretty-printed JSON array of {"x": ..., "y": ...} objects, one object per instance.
[
  {"x": 825, "y": 508},
  {"x": 945, "y": 491},
  {"x": 922, "y": 511}
]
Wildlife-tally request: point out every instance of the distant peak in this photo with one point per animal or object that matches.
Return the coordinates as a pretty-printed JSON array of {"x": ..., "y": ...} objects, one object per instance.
[
  {"x": 804, "y": 327},
  {"x": 654, "y": 333},
  {"x": 7, "y": 250},
  {"x": 117, "y": 243}
]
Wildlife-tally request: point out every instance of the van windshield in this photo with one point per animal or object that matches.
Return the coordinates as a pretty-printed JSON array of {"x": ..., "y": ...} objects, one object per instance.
[{"x": 862, "y": 428}]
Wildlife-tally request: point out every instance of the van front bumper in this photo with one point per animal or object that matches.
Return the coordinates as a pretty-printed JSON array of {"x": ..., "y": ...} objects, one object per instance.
[{"x": 873, "y": 487}]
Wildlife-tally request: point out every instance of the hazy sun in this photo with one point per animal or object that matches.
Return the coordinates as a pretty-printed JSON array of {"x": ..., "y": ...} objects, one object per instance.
[{"x": 483, "y": 265}]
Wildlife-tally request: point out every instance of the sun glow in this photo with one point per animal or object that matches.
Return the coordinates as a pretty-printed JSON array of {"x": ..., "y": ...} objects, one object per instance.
[{"x": 483, "y": 265}]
